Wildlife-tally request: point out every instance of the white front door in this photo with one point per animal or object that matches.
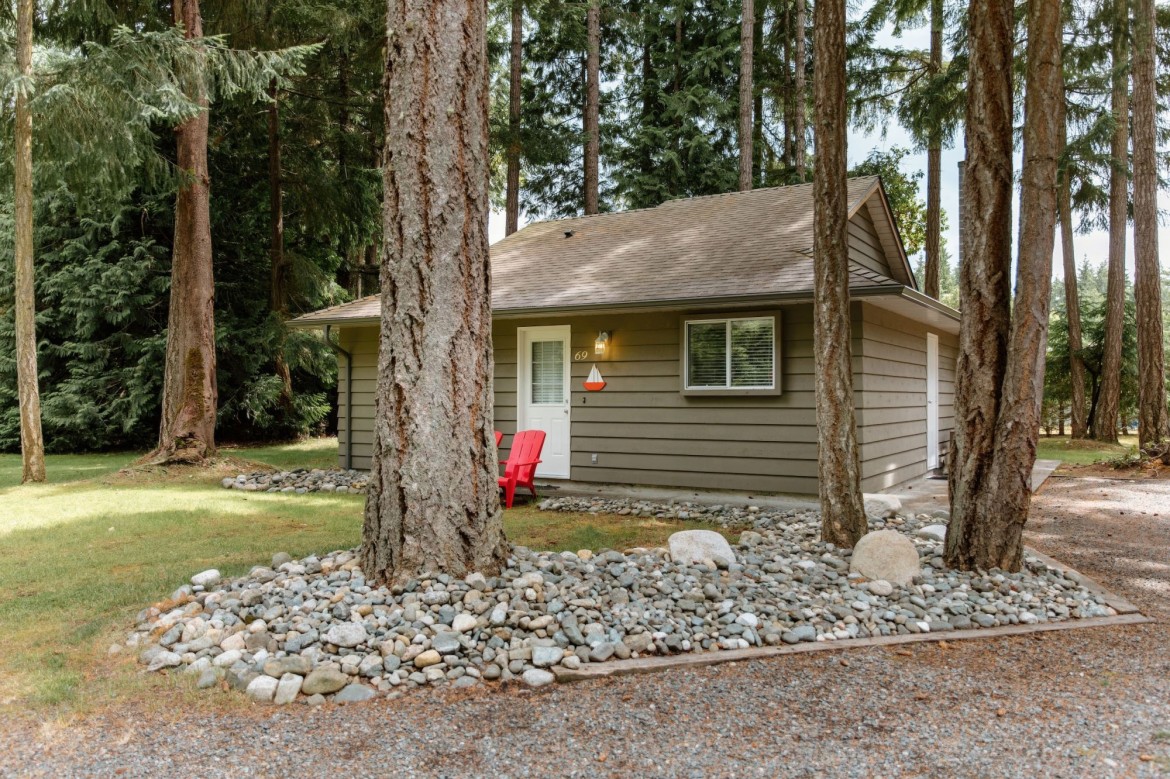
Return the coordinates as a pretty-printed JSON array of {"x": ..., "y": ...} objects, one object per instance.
[
  {"x": 545, "y": 393},
  {"x": 932, "y": 458}
]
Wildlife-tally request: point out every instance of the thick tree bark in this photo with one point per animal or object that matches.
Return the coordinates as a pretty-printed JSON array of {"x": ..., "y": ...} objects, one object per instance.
[
  {"x": 1153, "y": 422},
  {"x": 278, "y": 267},
  {"x": 995, "y": 539},
  {"x": 187, "y": 431},
  {"x": 432, "y": 503},
  {"x": 512, "y": 195},
  {"x": 934, "y": 163},
  {"x": 758, "y": 167},
  {"x": 984, "y": 283},
  {"x": 1109, "y": 402},
  {"x": 1072, "y": 303},
  {"x": 746, "y": 41},
  {"x": 842, "y": 511},
  {"x": 788, "y": 85},
  {"x": 593, "y": 107},
  {"x": 799, "y": 92},
  {"x": 32, "y": 443},
  {"x": 650, "y": 103}
]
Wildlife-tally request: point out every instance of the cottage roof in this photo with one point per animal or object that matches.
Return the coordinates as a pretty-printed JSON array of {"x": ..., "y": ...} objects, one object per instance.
[{"x": 700, "y": 250}]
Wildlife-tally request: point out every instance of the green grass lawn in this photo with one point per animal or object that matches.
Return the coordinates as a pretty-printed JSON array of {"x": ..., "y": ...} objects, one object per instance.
[
  {"x": 1082, "y": 452},
  {"x": 81, "y": 555}
]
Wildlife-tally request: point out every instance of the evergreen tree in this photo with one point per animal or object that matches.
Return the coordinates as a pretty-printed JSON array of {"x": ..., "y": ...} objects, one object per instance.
[{"x": 32, "y": 443}]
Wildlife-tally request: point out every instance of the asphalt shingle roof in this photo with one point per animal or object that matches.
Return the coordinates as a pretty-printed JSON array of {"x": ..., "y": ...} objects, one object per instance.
[{"x": 721, "y": 246}]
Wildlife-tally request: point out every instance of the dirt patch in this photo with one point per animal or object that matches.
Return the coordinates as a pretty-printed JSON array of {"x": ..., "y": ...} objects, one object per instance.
[
  {"x": 219, "y": 468},
  {"x": 1150, "y": 469}
]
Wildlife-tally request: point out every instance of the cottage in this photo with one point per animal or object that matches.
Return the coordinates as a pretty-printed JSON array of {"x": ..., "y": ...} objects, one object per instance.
[{"x": 673, "y": 346}]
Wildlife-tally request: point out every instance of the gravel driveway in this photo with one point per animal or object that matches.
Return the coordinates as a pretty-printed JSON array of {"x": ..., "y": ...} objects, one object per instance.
[{"x": 1089, "y": 702}]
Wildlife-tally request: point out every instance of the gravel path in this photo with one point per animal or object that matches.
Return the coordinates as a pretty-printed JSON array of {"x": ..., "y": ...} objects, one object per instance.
[{"x": 1076, "y": 703}]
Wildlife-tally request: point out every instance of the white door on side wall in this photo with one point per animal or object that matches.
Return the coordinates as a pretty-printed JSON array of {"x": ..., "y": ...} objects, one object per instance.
[
  {"x": 544, "y": 393},
  {"x": 932, "y": 455}
]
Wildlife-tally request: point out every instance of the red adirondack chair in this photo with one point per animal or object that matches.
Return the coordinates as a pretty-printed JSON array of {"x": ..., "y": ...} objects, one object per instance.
[
  {"x": 499, "y": 438},
  {"x": 520, "y": 467}
]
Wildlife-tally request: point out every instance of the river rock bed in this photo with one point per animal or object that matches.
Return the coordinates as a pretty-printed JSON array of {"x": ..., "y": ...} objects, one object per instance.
[
  {"x": 313, "y": 630},
  {"x": 300, "y": 481},
  {"x": 878, "y": 507}
]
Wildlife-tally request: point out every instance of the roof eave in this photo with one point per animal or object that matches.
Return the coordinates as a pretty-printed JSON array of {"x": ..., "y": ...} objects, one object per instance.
[{"x": 895, "y": 290}]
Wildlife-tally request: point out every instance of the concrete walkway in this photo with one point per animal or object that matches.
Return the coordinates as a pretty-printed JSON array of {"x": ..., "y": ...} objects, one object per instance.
[{"x": 928, "y": 493}]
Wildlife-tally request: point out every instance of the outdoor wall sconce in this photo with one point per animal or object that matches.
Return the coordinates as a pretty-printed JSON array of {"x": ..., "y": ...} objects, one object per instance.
[{"x": 601, "y": 342}]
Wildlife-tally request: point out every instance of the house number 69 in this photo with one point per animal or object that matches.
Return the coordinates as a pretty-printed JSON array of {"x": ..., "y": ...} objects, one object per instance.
[{"x": 581, "y": 355}]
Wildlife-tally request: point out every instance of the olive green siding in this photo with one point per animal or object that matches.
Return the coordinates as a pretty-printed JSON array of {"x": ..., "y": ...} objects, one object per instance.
[
  {"x": 362, "y": 344},
  {"x": 644, "y": 430},
  {"x": 890, "y": 395},
  {"x": 865, "y": 247}
]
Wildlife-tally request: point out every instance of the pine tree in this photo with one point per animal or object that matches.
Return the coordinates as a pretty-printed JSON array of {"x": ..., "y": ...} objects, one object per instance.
[
  {"x": 972, "y": 541},
  {"x": 592, "y": 111},
  {"x": 1153, "y": 421},
  {"x": 515, "y": 81},
  {"x": 432, "y": 504},
  {"x": 1106, "y": 418},
  {"x": 32, "y": 444},
  {"x": 843, "y": 519},
  {"x": 746, "y": 96}
]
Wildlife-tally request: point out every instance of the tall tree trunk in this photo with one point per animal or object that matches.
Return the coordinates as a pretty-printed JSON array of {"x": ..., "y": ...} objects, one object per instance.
[
  {"x": 676, "y": 85},
  {"x": 993, "y": 536},
  {"x": 800, "y": 94},
  {"x": 934, "y": 162},
  {"x": 432, "y": 503},
  {"x": 1109, "y": 404},
  {"x": 984, "y": 282},
  {"x": 746, "y": 41},
  {"x": 1072, "y": 302},
  {"x": 512, "y": 220},
  {"x": 650, "y": 104},
  {"x": 277, "y": 265},
  {"x": 759, "y": 169},
  {"x": 1153, "y": 424},
  {"x": 788, "y": 83},
  {"x": 32, "y": 444},
  {"x": 842, "y": 511},
  {"x": 593, "y": 107},
  {"x": 187, "y": 431}
]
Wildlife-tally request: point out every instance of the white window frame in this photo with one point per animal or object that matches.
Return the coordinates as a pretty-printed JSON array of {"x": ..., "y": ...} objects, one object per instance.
[{"x": 727, "y": 321}]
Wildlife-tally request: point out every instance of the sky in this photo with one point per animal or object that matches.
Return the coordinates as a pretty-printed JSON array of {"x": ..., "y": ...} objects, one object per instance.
[{"x": 1093, "y": 245}]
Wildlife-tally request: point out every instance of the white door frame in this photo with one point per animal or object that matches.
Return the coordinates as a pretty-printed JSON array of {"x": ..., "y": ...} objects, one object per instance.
[
  {"x": 932, "y": 432},
  {"x": 524, "y": 338}
]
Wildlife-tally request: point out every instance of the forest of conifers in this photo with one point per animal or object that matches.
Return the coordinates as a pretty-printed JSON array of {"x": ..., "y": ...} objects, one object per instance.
[{"x": 295, "y": 141}]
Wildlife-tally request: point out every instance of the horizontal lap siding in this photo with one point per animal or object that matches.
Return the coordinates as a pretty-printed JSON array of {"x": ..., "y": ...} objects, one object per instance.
[
  {"x": 645, "y": 431},
  {"x": 891, "y": 400},
  {"x": 865, "y": 248},
  {"x": 362, "y": 344}
]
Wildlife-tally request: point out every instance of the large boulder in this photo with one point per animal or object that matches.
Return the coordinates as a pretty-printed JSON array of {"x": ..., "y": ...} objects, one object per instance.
[
  {"x": 879, "y": 505},
  {"x": 696, "y": 546},
  {"x": 885, "y": 554}
]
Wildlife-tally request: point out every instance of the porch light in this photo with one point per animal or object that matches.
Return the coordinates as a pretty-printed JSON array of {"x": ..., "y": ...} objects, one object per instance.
[{"x": 601, "y": 342}]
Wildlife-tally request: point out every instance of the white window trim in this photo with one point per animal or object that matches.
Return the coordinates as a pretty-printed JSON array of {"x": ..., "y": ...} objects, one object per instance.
[{"x": 728, "y": 387}]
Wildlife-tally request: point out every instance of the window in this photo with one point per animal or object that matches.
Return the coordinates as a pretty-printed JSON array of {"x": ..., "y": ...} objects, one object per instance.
[
  {"x": 731, "y": 354},
  {"x": 548, "y": 366}
]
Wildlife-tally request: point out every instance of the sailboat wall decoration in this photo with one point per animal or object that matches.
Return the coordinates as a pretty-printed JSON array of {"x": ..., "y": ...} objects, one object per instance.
[{"x": 594, "y": 383}]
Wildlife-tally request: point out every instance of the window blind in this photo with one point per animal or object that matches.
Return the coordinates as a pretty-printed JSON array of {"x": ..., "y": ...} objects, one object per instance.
[{"x": 731, "y": 353}]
